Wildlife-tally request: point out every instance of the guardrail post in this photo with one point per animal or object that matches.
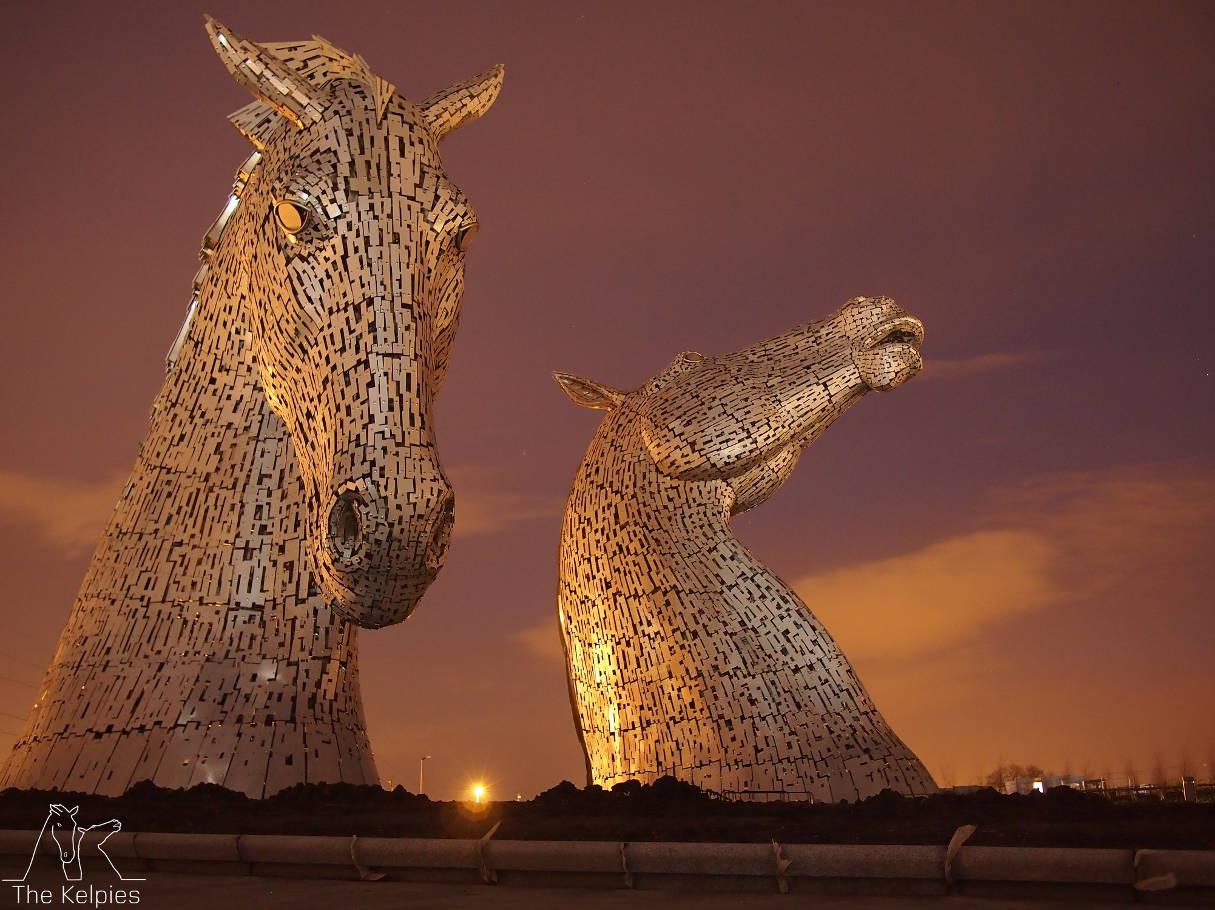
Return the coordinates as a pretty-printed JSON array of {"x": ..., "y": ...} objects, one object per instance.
[
  {"x": 624, "y": 866},
  {"x": 961, "y": 836},
  {"x": 488, "y": 875},
  {"x": 366, "y": 873},
  {"x": 782, "y": 866}
]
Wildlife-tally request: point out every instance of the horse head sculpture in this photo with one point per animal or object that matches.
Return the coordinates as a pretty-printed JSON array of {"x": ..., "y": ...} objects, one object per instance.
[
  {"x": 685, "y": 655},
  {"x": 288, "y": 490},
  {"x": 355, "y": 242},
  {"x": 744, "y": 418}
]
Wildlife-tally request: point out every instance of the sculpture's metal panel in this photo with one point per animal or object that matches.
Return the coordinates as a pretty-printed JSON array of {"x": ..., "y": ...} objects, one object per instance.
[
  {"x": 289, "y": 487},
  {"x": 686, "y": 656}
]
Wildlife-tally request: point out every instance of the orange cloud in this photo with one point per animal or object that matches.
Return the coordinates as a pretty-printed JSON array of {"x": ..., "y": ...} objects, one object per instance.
[
  {"x": 1040, "y": 543},
  {"x": 486, "y": 501},
  {"x": 1062, "y": 621},
  {"x": 69, "y": 514},
  {"x": 934, "y": 597},
  {"x": 1113, "y": 524},
  {"x": 981, "y": 363},
  {"x": 542, "y": 641}
]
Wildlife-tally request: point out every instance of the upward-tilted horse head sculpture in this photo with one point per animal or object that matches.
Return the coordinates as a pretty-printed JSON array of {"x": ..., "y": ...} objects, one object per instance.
[
  {"x": 355, "y": 241},
  {"x": 289, "y": 489},
  {"x": 755, "y": 410},
  {"x": 687, "y": 656}
]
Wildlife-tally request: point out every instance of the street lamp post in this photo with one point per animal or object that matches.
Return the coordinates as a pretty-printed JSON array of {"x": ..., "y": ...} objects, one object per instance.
[{"x": 421, "y": 785}]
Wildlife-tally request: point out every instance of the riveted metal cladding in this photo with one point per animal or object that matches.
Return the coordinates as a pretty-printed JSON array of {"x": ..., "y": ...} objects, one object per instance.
[
  {"x": 289, "y": 487},
  {"x": 686, "y": 655}
]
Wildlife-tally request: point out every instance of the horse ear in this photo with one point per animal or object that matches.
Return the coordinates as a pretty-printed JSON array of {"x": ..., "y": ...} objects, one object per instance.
[
  {"x": 463, "y": 102},
  {"x": 72, "y": 811},
  {"x": 266, "y": 77},
  {"x": 588, "y": 393},
  {"x": 256, "y": 121}
]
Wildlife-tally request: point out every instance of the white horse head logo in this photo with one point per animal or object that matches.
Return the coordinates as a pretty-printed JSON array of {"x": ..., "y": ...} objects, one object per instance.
[{"x": 69, "y": 840}]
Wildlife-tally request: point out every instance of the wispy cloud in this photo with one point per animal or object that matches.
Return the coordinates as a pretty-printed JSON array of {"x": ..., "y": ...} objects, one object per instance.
[
  {"x": 935, "y": 368},
  {"x": 1064, "y": 620},
  {"x": 541, "y": 641},
  {"x": 1031, "y": 546},
  {"x": 1040, "y": 543},
  {"x": 488, "y": 501},
  {"x": 937, "y": 596},
  {"x": 68, "y": 513}
]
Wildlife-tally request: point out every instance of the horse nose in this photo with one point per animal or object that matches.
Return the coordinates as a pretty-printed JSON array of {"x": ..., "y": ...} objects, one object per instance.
[
  {"x": 352, "y": 521},
  {"x": 345, "y": 539}
]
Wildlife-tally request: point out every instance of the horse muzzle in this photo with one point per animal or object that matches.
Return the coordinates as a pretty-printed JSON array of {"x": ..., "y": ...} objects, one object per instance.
[{"x": 379, "y": 553}]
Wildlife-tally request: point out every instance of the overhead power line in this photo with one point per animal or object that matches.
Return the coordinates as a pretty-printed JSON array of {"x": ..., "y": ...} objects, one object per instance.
[
  {"x": 33, "y": 666},
  {"x": 13, "y": 716},
  {"x": 18, "y": 682}
]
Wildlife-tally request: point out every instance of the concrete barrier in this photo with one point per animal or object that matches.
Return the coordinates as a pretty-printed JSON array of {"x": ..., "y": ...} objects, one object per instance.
[
  {"x": 155, "y": 845},
  {"x": 702, "y": 859},
  {"x": 1044, "y": 873},
  {"x": 1030, "y": 872},
  {"x": 555, "y": 856},
  {"x": 876, "y": 870},
  {"x": 1175, "y": 876},
  {"x": 417, "y": 852},
  {"x": 1045, "y": 864},
  {"x": 866, "y": 861},
  {"x": 1194, "y": 868}
]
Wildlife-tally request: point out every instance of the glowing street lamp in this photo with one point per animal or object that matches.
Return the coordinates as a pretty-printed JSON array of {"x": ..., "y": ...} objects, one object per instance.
[
  {"x": 421, "y": 762},
  {"x": 478, "y": 792}
]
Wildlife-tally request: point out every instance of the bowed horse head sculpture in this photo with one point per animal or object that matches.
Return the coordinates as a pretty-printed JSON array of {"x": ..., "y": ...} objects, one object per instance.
[
  {"x": 686, "y": 655},
  {"x": 288, "y": 491},
  {"x": 355, "y": 242}
]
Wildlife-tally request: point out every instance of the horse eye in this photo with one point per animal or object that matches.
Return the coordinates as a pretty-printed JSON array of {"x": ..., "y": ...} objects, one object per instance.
[
  {"x": 465, "y": 235},
  {"x": 292, "y": 216}
]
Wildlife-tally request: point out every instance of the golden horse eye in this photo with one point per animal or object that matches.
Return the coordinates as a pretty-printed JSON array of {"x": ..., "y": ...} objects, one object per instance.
[
  {"x": 465, "y": 235},
  {"x": 292, "y": 216}
]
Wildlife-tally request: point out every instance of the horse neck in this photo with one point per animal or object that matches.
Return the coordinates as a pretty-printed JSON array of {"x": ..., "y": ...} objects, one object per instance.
[
  {"x": 214, "y": 498},
  {"x": 637, "y": 525}
]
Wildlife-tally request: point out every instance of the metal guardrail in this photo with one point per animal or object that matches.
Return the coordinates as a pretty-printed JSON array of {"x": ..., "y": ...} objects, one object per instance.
[
  {"x": 1171, "y": 792},
  {"x": 1081, "y": 874},
  {"x": 765, "y": 796}
]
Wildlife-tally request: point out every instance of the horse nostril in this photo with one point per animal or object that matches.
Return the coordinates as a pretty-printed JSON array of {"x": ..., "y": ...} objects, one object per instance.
[
  {"x": 441, "y": 537},
  {"x": 346, "y": 526}
]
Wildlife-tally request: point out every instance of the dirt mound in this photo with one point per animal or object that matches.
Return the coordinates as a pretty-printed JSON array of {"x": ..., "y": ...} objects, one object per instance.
[{"x": 667, "y": 810}]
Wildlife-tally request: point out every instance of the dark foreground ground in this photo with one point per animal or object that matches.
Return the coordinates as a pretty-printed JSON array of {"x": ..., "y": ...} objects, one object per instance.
[{"x": 666, "y": 811}]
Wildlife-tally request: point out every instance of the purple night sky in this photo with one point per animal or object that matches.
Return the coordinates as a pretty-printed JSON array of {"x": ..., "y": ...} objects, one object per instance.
[{"x": 1014, "y": 548}]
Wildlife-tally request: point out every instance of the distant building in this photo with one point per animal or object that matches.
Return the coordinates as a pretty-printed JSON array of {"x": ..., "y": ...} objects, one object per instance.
[{"x": 1027, "y": 785}]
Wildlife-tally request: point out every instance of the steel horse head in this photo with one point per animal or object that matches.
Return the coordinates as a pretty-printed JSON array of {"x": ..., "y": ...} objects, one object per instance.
[
  {"x": 352, "y": 272},
  {"x": 743, "y": 419},
  {"x": 685, "y": 654}
]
